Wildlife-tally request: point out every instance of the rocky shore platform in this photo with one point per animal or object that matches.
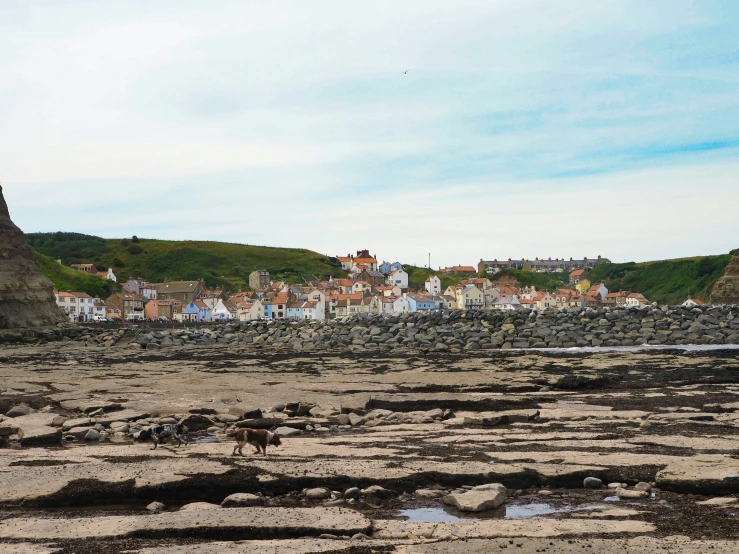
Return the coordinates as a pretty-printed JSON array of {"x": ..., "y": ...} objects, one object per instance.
[{"x": 382, "y": 451}]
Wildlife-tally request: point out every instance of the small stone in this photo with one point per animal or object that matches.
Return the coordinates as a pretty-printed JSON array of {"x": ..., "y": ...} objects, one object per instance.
[
  {"x": 623, "y": 493},
  {"x": 58, "y": 421},
  {"x": 92, "y": 435},
  {"x": 342, "y": 419},
  {"x": 353, "y": 492},
  {"x": 484, "y": 497},
  {"x": 195, "y": 506},
  {"x": 20, "y": 410},
  {"x": 329, "y": 537},
  {"x": 360, "y": 537},
  {"x": 429, "y": 493},
  {"x": 287, "y": 431},
  {"x": 644, "y": 487},
  {"x": 378, "y": 491},
  {"x": 592, "y": 483},
  {"x": 156, "y": 507},
  {"x": 242, "y": 500},
  {"x": 317, "y": 494},
  {"x": 356, "y": 420},
  {"x": 545, "y": 493}
]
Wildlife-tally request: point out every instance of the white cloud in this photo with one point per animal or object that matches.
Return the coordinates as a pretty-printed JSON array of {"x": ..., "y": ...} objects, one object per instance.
[{"x": 303, "y": 106}]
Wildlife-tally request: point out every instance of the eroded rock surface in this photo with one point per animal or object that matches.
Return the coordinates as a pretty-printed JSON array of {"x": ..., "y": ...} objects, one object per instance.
[{"x": 662, "y": 427}]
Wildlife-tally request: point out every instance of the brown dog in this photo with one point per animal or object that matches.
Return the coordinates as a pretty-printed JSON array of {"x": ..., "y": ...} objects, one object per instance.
[{"x": 258, "y": 438}]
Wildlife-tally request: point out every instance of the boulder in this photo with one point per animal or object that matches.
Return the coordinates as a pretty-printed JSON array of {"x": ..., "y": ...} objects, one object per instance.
[
  {"x": 356, "y": 420},
  {"x": 317, "y": 494},
  {"x": 353, "y": 492},
  {"x": 592, "y": 483},
  {"x": 195, "y": 506},
  {"x": 287, "y": 431},
  {"x": 378, "y": 492},
  {"x": 196, "y": 422},
  {"x": 644, "y": 487},
  {"x": 156, "y": 507},
  {"x": 242, "y": 500},
  {"x": 20, "y": 410},
  {"x": 92, "y": 435},
  {"x": 478, "y": 499},
  {"x": 623, "y": 493},
  {"x": 252, "y": 413}
]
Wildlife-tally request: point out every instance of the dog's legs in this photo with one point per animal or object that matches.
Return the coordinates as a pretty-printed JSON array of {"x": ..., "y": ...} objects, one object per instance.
[
  {"x": 179, "y": 440},
  {"x": 155, "y": 439}
]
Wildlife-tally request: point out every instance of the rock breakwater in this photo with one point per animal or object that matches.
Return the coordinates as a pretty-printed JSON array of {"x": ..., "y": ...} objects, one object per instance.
[{"x": 452, "y": 332}]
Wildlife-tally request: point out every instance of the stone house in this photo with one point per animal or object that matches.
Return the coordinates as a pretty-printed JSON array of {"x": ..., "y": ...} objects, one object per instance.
[
  {"x": 131, "y": 305},
  {"x": 186, "y": 291},
  {"x": 258, "y": 279},
  {"x": 167, "y": 308}
]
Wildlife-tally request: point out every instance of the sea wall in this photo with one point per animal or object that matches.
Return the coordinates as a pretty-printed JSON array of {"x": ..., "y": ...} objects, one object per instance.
[{"x": 438, "y": 331}]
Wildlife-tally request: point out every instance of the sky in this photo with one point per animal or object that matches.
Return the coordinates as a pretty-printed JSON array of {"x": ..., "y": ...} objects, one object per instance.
[{"x": 465, "y": 130}]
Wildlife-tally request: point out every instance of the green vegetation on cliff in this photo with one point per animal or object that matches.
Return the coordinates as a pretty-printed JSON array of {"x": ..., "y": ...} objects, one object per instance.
[
  {"x": 219, "y": 263},
  {"x": 417, "y": 277},
  {"x": 665, "y": 282},
  {"x": 542, "y": 281},
  {"x": 66, "y": 279}
]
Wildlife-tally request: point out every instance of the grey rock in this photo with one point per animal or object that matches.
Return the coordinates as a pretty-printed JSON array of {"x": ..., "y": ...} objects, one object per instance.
[
  {"x": 20, "y": 410},
  {"x": 287, "y": 431},
  {"x": 479, "y": 499},
  {"x": 317, "y": 494},
  {"x": 592, "y": 483},
  {"x": 352, "y": 492},
  {"x": 92, "y": 435},
  {"x": 156, "y": 507},
  {"x": 242, "y": 500}
]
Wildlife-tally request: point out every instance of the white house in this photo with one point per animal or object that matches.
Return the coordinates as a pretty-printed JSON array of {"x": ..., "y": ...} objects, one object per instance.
[
  {"x": 221, "y": 312},
  {"x": 250, "y": 310},
  {"x": 401, "y": 305},
  {"x": 111, "y": 276},
  {"x": 433, "y": 285},
  {"x": 600, "y": 288},
  {"x": 506, "y": 303},
  {"x": 692, "y": 303},
  {"x": 77, "y": 306},
  {"x": 398, "y": 277},
  {"x": 360, "y": 286},
  {"x": 305, "y": 310}
]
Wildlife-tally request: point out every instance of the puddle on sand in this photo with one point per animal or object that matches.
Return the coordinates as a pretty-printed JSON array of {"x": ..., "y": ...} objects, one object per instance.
[{"x": 522, "y": 511}]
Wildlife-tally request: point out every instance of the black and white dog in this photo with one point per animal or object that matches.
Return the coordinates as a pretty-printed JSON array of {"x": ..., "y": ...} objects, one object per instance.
[{"x": 160, "y": 433}]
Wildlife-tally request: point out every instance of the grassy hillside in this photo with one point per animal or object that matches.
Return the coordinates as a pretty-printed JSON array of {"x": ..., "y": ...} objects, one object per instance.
[
  {"x": 667, "y": 281},
  {"x": 218, "y": 263},
  {"x": 542, "y": 281},
  {"x": 66, "y": 279},
  {"x": 417, "y": 277}
]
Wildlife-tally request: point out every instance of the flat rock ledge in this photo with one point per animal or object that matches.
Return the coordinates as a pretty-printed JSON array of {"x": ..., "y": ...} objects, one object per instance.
[{"x": 234, "y": 524}]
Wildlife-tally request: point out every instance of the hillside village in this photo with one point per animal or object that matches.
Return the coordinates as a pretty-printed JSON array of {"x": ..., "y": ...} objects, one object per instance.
[{"x": 369, "y": 288}]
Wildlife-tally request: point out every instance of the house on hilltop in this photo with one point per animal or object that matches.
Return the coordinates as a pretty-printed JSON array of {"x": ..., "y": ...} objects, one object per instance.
[{"x": 259, "y": 279}]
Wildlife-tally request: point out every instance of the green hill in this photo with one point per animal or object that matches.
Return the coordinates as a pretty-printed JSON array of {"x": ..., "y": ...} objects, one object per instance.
[
  {"x": 665, "y": 282},
  {"x": 219, "y": 263},
  {"x": 417, "y": 277},
  {"x": 67, "y": 279},
  {"x": 542, "y": 281}
]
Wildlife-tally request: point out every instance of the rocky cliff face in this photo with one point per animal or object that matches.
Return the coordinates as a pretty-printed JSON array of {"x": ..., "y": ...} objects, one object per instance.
[
  {"x": 726, "y": 289},
  {"x": 26, "y": 296}
]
